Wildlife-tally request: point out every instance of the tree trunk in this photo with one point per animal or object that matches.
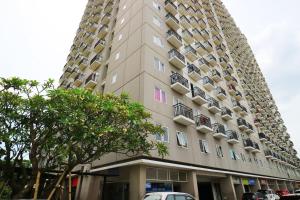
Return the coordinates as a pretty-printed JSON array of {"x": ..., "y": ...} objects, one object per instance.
[
  {"x": 37, "y": 183},
  {"x": 63, "y": 175}
]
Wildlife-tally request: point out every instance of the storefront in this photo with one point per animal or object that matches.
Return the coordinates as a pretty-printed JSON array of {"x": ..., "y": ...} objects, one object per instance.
[
  {"x": 263, "y": 184},
  {"x": 249, "y": 184}
]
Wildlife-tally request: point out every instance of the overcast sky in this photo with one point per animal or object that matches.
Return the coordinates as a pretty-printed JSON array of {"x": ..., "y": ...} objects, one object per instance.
[{"x": 36, "y": 35}]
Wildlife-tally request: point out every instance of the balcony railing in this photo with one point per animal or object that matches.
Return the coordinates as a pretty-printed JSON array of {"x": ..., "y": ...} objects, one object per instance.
[
  {"x": 220, "y": 93},
  {"x": 203, "y": 124},
  {"x": 226, "y": 113},
  {"x": 213, "y": 105},
  {"x": 183, "y": 114},
  {"x": 208, "y": 83},
  {"x": 170, "y": 7},
  {"x": 216, "y": 75},
  {"x": 248, "y": 144},
  {"x": 176, "y": 58},
  {"x": 232, "y": 136},
  {"x": 174, "y": 38},
  {"x": 194, "y": 72},
  {"x": 172, "y": 22},
  {"x": 203, "y": 64},
  {"x": 179, "y": 83},
  {"x": 219, "y": 130},
  {"x": 242, "y": 124},
  {"x": 190, "y": 53}
]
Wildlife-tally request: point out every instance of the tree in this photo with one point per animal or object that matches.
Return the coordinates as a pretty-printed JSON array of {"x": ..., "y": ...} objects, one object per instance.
[{"x": 63, "y": 128}]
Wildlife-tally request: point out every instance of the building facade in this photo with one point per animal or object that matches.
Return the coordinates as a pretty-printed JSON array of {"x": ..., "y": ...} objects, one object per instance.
[{"x": 188, "y": 63}]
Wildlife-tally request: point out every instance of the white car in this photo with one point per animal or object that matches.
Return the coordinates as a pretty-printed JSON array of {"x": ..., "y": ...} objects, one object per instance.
[
  {"x": 269, "y": 194},
  {"x": 168, "y": 196}
]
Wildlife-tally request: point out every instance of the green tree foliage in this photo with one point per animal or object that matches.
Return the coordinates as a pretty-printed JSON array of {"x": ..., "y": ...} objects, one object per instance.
[{"x": 60, "y": 129}]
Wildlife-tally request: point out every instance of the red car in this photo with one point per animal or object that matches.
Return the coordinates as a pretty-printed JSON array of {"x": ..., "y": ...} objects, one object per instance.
[{"x": 282, "y": 192}]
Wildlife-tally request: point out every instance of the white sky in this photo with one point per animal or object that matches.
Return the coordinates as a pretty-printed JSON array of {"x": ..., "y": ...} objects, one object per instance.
[{"x": 36, "y": 35}]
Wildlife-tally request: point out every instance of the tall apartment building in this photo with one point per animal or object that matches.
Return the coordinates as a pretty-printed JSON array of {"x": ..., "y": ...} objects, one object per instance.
[{"x": 188, "y": 63}]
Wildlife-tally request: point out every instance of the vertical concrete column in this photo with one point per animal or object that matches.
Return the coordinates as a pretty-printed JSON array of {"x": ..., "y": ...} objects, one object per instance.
[
  {"x": 257, "y": 185},
  {"x": 191, "y": 186},
  {"x": 276, "y": 185},
  {"x": 227, "y": 188},
  {"x": 137, "y": 182},
  {"x": 84, "y": 184}
]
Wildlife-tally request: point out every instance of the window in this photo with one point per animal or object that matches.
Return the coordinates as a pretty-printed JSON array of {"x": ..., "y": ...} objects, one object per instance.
[
  {"x": 160, "y": 95},
  {"x": 233, "y": 155},
  {"x": 157, "y": 41},
  {"x": 156, "y": 21},
  {"x": 120, "y": 37},
  {"x": 114, "y": 78},
  {"x": 159, "y": 65},
  {"x": 203, "y": 146},
  {"x": 219, "y": 151},
  {"x": 163, "y": 137},
  {"x": 122, "y": 20},
  {"x": 243, "y": 157},
  {"x": 181, "y": 139},
  {"x": 117, "y": 56},
  {"x": 156, "y": 5}
]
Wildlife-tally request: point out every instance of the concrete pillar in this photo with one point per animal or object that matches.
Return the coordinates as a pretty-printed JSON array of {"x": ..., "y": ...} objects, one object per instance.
[
  {"x": 191, "y": 186},
  {"x": 84, "y": 184},
  {"x": 227, "y": 188},
  {"x": 257, "y": 185},
  {"x": 276, "y": 186},
  {"x": 137, "y": 182}
]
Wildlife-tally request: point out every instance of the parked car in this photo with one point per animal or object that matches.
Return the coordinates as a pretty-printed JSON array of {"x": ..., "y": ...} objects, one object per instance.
[
  {"x": 252, "y": 196},
  {"x": 282, "y": 192},
  {"x": 269, "y": 194},
  {"x": 168, "y": 196},
  {"x": 297, "y": 192}
]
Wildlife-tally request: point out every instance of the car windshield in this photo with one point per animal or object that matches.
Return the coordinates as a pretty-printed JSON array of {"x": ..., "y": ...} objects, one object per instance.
[{"x": 152, "y": 197}]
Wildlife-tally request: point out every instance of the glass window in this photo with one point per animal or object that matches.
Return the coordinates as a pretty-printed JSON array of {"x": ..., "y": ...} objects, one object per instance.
[
  {"x": 157, "y": 21},
  {"x": 163, "y": 137},
  {"x": 180, "y": 197},
  {"x": 156, "y": 5},
  {"x": 219, "y": 151},
  {"x": 170, "y": 197},
  {"x": 117, "y": 56},
  {"x": 203, "y": 146},
  {"x": 120, "y": 37},
  {"x": 159, "y": 65},
  {"x": 152, "y": 197},
  {"x": 160, "y": 95},
  {"x": 181, "y": 139},
  {"x": 114, "y": 78},
  {"x": 157, "y": 41}
]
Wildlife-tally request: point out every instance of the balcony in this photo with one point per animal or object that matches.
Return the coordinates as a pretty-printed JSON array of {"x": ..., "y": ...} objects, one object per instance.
[
  {"x": 108, "y": 8},
  {"x": 172, "y": 22},
  {"x": 203, "y": 124},
  {"x": 227, "y": 75},
  {"x": 236, "y": 106},
  {"x": 194, "y": 22},
  {"x": 256, "y": 148},
  {"x": 233, "y": 137},
  {"x": 268, "y": 154},
  {"x": 185, "y": 22},
  {"x": 213, "y": 105},
  {"x": 75, "y": 72},
  {"x": 92, "y": 27},
  {"x": 106, "y": 18},
  {"x": 217, "y": 40},
  {"x": 183, "y": 114},
  {"x": 68, "y": 71},
  {"x": 182, "y": 9},
  {"x": 208, "y": 83},
  {"x": 96, "y": 62},
  {"x": 220, "y": 93},
  {"x": 99, "y": 46},
  {"x": 103, "y": 31},
  {"x": 83, "y": 63},
  {"x": 219, "y": 131},
  {"x": 194, "y": 72},
  {"x": 212, "y": 60},
  {"x": 221, "y": 51},
  {"x": 226, "y": 114},
  {"x": 91, "y": 81},
  {"x": 190, "y": 53},
  {"x": 231, "y": 89},
  {"x": 262, "y": 137},
  {"x": 187, "y": 36},
  {"x": 243, "y": 112},
  {"x": 200, "y": 14},
  {"x": 215, "y": 75},
  {"x": 201, "y": 23},
  {"x": 197, "y": 34},
  {"x": 249, "y": 129},
  {"x": 174, "y": 39},
  {"x": 198, "y": 96},
  {"x": 223, "y": 62},
  {"x": 78, "y": 80},
  {"x": 176, "y": 59},
  {"x": 206, "y": 36},
  {"x": 200, "y": 48},
  {"x": 170, "y": 7},
  {"x": 248, "y": 144},
  {"x": 238, "y": 95},
  {"x": 242, "y": 124},
  {"x": 203, "y": 64},
  {"x": 179, "y": 83}
]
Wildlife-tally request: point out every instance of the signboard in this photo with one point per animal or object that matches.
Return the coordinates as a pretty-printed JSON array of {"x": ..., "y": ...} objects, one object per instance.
[
  {"x": 251, "y": 181},
  {"x": 245, "y": 181}
]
